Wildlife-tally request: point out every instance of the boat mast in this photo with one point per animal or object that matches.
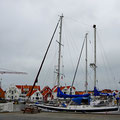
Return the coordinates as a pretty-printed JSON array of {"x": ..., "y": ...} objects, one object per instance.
[
  {"x": 94, "y": 26},
  {"x": 93, "y": 65},
  {"x": 77, "y": 65},
  {"x": 59, "y": 53},
  {"x": 86, "y": 73}
]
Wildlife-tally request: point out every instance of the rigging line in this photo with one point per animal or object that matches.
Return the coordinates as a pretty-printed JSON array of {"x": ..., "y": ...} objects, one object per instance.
[
  {"x": 78, "y": 64},
  {"x": 108, "y": 67},
  {"x": 36, "y": 79},
  {"x": 68, "y": 47},
  {"x": 91, "y": 49},
  {"x": 76, "y": 20},
  {"x": 102, "y": 58},
  {"x": 70, "y": 33},
  {"x": 105, "y": 57},
  {"x": 70, "y": 40},
  {"x": 90, "y": 79},
  {"x": 51, "y": 68}
]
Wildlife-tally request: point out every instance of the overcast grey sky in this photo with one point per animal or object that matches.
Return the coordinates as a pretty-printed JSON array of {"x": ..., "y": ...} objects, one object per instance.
[{"x": 26, "y": 27}]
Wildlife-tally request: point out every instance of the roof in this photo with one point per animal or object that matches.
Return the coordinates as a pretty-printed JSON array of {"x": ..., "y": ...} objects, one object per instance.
[
  {"x": 22, "y": 87},
  {"x": 54, "y": 89},
  {"x": 107, "y": 91},
  {"x": 46, "y": 88},
  {"x": 46, "y": 92},
  {"x": 31, "y": 93},
  {"x": 79, "y": 92},
  {"x": 82, "y": 92}
]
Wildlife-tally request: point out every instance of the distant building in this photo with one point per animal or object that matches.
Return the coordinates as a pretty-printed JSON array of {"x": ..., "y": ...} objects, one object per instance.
[
  {"x": 83, "y": 92},
  {"x": 35, "y": 96},
  {"x": 19, "y": 92},
  {"x": 12, "y": 93},
  {"x": 106, "y": 91},
  {"x": 47, "y": 94},
  {"x": 64, "y": 89},
  {"x": 25, "y": 89}
]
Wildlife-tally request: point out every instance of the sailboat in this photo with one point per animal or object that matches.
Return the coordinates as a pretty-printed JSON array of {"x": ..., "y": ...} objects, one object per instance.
[{"x": 76, "y": 99}]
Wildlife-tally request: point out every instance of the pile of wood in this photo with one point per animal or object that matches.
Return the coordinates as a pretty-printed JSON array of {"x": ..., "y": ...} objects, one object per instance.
[{"x": 31, "y": 109}]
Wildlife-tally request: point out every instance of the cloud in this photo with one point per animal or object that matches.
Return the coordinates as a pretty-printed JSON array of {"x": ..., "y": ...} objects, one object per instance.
[{"x": 27, "y": 26}]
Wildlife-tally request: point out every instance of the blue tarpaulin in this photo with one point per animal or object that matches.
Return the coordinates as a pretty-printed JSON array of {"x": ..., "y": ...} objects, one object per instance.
[
  {"x": 78, "y": 100},
  {"x": 62, "y": 95}
]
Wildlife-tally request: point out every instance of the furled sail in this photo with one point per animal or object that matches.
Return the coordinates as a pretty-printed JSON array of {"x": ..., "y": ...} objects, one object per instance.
[{"x": 62, "y": 95}]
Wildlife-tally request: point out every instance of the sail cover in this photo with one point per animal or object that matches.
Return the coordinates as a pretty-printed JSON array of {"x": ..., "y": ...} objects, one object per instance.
[{"x": 62, "y": 95}]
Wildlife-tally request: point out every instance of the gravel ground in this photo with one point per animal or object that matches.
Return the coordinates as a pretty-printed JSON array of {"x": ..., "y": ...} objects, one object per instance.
[{"x": 57, "y": 116}]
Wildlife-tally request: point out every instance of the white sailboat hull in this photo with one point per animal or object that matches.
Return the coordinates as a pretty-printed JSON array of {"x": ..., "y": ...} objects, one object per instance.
[{"x": 78, "y": 108}]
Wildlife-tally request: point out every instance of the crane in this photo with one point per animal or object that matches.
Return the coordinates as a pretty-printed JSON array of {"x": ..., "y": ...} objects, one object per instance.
[
  {"x": 10, "y": 72},
  {"x": 13, "y": 72}
]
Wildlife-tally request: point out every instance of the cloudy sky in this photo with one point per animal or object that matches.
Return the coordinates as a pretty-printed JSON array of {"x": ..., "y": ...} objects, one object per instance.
[{"x": 26, "y": 27}]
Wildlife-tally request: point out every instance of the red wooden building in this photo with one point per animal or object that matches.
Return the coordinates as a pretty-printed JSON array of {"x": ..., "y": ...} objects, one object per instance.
[
  {"x": 2, "y": 94},
  {"x": 47, "y": 94}
]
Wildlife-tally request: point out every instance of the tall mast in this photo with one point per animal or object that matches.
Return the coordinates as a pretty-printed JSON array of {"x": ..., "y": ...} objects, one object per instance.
[
  {"x": 59, "y": 56},
  {"x": 86, "y": 73},
  {"x": 94, "y": 26}
]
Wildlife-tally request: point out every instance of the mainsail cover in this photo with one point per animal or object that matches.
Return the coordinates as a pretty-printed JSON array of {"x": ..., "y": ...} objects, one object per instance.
[{"x": 62, "y": 95}]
